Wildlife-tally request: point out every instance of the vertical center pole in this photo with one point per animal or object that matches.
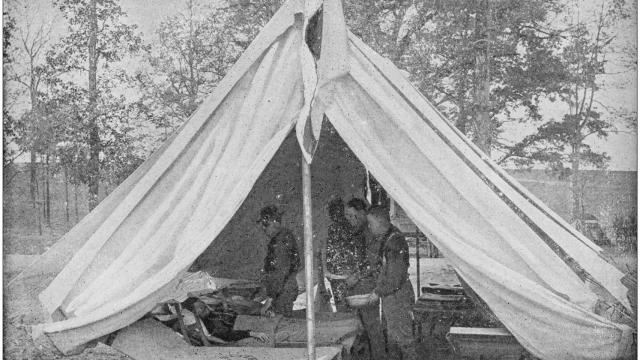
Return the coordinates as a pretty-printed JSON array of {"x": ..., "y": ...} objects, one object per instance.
[
  {"x": 419, "y": 292},
  {"x": 308, "y": 257},
  {"x": 418, "y": 321}
]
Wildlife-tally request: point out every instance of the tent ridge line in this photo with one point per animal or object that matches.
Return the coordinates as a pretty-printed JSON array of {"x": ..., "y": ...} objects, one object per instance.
[{"x": 583, "y": 274}]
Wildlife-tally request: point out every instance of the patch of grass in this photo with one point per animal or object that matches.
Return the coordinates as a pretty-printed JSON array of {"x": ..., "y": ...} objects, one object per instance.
[{"x": 21, "y": 232}]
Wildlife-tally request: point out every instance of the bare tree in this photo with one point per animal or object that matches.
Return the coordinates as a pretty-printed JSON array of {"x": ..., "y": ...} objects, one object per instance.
[{"x": 32, "y": 40}]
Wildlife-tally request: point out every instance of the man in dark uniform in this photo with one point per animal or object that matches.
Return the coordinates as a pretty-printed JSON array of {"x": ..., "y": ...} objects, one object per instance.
[
  {"x": 281, "y": 263},
  {"x": 393, "y": 286},
  {"x": 345, "y": 251},
  {"x": 365, "y": 280}
]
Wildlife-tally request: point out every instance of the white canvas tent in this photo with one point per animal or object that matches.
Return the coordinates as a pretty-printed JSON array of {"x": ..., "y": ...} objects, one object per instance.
[{"x": 540, "y": 277}]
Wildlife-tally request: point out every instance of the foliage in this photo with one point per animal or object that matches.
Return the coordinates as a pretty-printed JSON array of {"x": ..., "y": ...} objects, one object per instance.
[
  {"x": 552, "y": 144},
  {"x": 114, "y": 42},
  {"x": 94, "y": 131},
  {"x": 8, "y": 28},
  {"x": 582, "y": 58},
  {"x": 191, "y": 53},
  {"x": 625, "y": 229},
  {"x": 8, "y": 121},
  {"x": 445, "y": 48},
  {"x": 25, "y": 43}
]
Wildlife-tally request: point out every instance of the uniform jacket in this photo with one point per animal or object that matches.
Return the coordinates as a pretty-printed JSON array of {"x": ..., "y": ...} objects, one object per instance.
[
  {"x": 394, "y": 271},
  {"x": 282, "y": 261}
]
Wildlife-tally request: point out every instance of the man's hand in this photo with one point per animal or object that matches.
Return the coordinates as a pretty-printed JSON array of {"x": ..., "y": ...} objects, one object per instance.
[
  {"x": 373, "y": 298},
  {"x": 261, "y": 295},
  {"x": 352, "y": 280},
  {"x": 266, "y": 310},
  {"x": 325, "y": 295},
  {"x": 260, "y": 336}
]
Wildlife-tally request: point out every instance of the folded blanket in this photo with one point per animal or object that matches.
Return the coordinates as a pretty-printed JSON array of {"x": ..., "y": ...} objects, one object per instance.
[
  {"x": 331, "y": 329},
  {"x": 195, "y": 283}
]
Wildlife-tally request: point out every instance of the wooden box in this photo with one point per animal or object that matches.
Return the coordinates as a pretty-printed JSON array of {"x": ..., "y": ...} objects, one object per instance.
[{"x": 484, "y": 343}]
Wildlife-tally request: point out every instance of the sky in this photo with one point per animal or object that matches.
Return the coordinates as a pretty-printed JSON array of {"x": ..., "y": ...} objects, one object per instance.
[{"x": 621, "y": 90}]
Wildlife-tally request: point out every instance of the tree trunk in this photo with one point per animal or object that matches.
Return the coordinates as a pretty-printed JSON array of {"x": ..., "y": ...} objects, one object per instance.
[
  {"x": 47, "y": 198},
  {"x": 36, "y": 191},
  {"x": 193, "y": 81},
  {"x": 75, "y": 204},
  {"x": 43, "y": 194},
  {"x": 94, "y": 131},
  {"x": 33, "y": 185},
  {"x": 400, "y": 43},
  {"x": 33, "y": 189},
  {"x": 483, "y": 125},
  {"x": 36, "y": 207},
  {"x": 33, "y": 95},
  {"x": 66, "y": 195},
  {"x": 576, "y": 194}
]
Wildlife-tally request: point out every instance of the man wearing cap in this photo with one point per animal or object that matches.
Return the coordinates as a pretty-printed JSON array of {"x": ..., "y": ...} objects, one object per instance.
[
  {"x": 281, "y": 263},
  {"x": 393, "y": 285}
]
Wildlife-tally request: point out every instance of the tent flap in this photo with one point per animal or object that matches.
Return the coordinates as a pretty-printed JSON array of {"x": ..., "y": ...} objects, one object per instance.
[
  {"x": 177, "y": 208},
  {"x": 474, "y": 217}
]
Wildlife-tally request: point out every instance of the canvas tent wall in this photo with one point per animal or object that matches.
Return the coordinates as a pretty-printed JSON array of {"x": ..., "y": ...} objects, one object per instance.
[{"x": 538, "y": 275}]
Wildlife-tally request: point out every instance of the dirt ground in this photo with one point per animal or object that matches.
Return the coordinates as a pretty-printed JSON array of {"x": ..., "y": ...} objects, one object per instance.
[{"x": 21, "y": 309}]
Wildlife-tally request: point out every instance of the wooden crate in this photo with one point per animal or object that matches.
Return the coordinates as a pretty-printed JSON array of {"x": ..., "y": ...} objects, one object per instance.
[{"x": 484, "y": 343}]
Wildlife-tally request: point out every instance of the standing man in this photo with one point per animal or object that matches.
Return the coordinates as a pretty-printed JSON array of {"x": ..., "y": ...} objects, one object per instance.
[
  {"x": 281, "y": 263},
  {"x": 345, "y": 252},
  {"x": 365, "y": 280},
  {"x": 393, "y": 286}
]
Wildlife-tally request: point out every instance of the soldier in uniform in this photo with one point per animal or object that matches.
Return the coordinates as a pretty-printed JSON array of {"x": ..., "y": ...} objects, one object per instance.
[
  {"x": 345, "y": 251},
  {"x": 281, "y": 263},
  {"x": 364, "y": 281},
  {"x": 393, "y": 285}
]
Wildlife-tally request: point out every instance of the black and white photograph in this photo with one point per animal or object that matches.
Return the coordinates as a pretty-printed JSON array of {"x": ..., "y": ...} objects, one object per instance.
[{"x": 320, "y": 179}]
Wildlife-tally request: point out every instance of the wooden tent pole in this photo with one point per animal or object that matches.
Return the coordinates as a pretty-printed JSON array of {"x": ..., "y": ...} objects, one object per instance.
[
  {"x": 308, "y": 257},
  {"x": 417, "y": 322},
  {"x": 418, "y": 263}
]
